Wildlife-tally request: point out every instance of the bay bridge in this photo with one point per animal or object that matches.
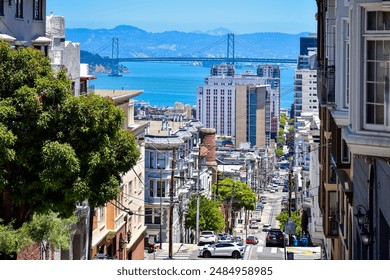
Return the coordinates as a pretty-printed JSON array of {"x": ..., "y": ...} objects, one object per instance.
[{"x": 230, "y": 58}]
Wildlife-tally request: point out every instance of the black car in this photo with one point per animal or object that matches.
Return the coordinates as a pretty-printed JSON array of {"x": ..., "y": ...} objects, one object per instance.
[{"x": 275, "y": 237}]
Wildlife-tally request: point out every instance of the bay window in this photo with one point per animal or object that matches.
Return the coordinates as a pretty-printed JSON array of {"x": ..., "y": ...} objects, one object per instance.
[{"x": 377, "y": 58}]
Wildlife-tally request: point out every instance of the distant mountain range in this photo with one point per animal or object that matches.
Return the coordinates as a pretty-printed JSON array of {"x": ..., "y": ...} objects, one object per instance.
[{"x": 137, "y": 42}]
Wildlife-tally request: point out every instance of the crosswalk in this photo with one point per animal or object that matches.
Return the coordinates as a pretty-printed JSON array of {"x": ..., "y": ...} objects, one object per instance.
[
  {"x": 192, "y": 254},
  {"x": 271, "y": 250},
  {"x": 178, "y": 256}
]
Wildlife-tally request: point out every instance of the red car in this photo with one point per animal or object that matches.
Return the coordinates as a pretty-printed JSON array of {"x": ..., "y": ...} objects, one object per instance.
[{"x": 251, "y": 239}]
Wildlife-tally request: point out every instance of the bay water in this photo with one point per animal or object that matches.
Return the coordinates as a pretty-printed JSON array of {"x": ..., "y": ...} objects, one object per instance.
[{"x": 166, "y": 83}]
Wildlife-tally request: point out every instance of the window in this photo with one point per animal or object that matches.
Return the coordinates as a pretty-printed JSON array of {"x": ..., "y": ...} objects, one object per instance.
[
  {"x": 377, "y": 79},
  {"x": 346, "y": 63},
  {"x": 19, "y": 9},
  {"x": 160, "y": 188},
  {"x": 377, "y": 58},
  {"x": 345, "y": 152},
  {"x": 1, "y": 7},
  {"x": 378, "y": 20},
  {"x": 160, "y": 160},
  {"x": 151, "y": 159},
  {"x": 152, "y": 216},
  {"x": 148, "y": 216},
  {"x": 101, "y": 216},
  {"x": 151, "y": 189},
  {"x": 37, "y": 10}
]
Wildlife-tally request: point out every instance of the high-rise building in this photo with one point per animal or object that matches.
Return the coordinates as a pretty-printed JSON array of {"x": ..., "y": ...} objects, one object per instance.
[
  {"x": 272, "y": 75},
  {"x": 307, "y": 43},
  {"x": 252, "y": 117},
  {"x": 305, "y": 93},
  {"x": 305, "y": 81},
  {"x": 217, "y": 99}
]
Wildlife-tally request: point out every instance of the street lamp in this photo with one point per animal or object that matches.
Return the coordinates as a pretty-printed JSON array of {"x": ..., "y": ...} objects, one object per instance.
[{"x": 364, "y": 223}]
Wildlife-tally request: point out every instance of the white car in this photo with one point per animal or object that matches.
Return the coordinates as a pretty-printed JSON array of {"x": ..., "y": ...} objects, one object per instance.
[
  {"x": 234, "y": 250},
  {"x": 254, "y": 225},
  {"x": 266, "y": 227},
  {"x": 208, "y": 236}
]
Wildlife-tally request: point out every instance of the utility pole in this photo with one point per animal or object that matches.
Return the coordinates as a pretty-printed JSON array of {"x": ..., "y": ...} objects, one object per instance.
[
  {"x": 198, "y": 196},
  {"x": 289, "y": 206},
  {"x": 289, "y": 193},
  {"x": 171, "y": 203},
  {"x": 231, "y": 204},
  {"x": 161, "y": 212}
]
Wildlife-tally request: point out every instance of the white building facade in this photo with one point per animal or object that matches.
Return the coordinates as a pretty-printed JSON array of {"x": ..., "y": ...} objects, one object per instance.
[{"x": 216, "y": 99}]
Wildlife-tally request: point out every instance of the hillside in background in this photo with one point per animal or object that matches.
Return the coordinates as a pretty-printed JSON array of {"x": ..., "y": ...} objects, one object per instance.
[{"x": 137, "y": 42}]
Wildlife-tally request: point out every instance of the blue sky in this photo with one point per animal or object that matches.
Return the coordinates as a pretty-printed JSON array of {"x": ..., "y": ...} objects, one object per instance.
[{"x": 239, "y": 16}]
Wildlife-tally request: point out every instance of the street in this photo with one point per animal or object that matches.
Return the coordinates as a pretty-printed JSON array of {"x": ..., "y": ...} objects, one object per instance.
[{"x": 272, "y": 208}]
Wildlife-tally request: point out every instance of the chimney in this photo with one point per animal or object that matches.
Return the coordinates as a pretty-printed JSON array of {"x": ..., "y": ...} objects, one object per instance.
[
  {"x": 207, "y": 139},
  {"x": 208, "y": 145}
]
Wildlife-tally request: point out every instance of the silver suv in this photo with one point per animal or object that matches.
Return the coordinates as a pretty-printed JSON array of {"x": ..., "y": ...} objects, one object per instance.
[
  {"x": 234, "y": 250},
  {"x": 208, "y": 236}
]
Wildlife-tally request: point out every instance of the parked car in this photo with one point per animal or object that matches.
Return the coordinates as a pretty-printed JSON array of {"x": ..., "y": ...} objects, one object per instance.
[
  {"x": 251, "y": 239},
  {"x": 259, "y": 206},
  {"x": 254, "y": 225},
  {"x": 275, "y": 237},
  {"x": 266, "y": 227},
  {"x": 225, "y": 238},
  {"x": 234, "y": 250},
  {"x": 238, "y": 239},
  {"x": 207, "y": 236}
]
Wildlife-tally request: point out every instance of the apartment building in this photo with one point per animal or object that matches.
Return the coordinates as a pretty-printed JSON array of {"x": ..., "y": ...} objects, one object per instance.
[
  {"x": 22, "y": 24},
  {"x": 353, "y": 58},
  {"x": 118, "y": 228},
  {"x": 173, "y": 174}
]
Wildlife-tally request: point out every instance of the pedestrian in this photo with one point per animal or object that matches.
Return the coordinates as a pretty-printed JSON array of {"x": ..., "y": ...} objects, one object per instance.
[{"x": 192, "y": 237}]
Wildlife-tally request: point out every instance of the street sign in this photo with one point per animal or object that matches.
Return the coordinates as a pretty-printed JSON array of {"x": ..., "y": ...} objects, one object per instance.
[{"x": 290, "y": 227}]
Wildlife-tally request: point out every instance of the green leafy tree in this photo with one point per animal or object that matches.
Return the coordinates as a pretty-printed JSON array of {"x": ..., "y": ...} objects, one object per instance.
[
  {"x": 210, "y": 215},
  {"x": 56, "y": 149},
  {"x": 11, "y": 240},
  {"x": 241, "y": 195},
  {"x": 235, "y": 195},
  {"x": 290, "y": 138},
  {"x": 49, "y": 229},
  {"x": 296, "y": 218},
  {"x": 279, "y": 152}
]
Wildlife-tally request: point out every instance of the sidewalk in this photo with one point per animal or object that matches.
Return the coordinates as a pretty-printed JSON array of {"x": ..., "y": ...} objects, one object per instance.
[{"x": 176, "y": 248}]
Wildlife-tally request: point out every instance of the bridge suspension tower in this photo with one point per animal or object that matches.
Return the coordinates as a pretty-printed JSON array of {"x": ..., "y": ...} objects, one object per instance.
[
  {"x": 115, "y": 58},
  {"x": 230, "y": 49}
]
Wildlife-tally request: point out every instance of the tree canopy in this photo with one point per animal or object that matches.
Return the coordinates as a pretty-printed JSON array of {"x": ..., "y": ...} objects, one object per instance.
[
  {"x": 56, "y": 149},
  {"x": 241, "y": 195},
  {"x": 296, "y": 218},
  {"x": 210, "y": 214}
]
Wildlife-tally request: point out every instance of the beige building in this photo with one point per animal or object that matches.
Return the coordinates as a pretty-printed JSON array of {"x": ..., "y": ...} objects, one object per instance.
[
  {"x": 119, "y": 228},
  {"x": 252, "y": 115}
]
